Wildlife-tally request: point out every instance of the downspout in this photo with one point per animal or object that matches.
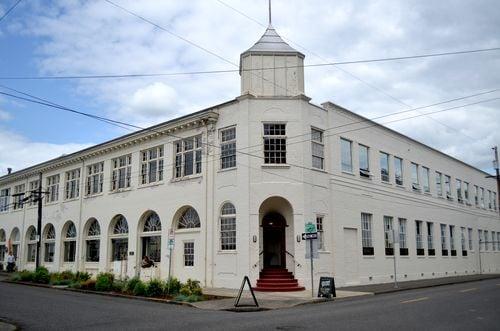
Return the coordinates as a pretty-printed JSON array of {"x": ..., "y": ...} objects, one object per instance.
[{"x": 82, "y": 192}]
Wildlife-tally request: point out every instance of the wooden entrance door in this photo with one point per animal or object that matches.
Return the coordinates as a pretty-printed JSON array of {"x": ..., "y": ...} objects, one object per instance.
[{"x": 274, "y": 225}]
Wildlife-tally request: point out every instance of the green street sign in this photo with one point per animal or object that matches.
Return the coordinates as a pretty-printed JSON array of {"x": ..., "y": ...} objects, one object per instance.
[{"x": 310, "y": 227}]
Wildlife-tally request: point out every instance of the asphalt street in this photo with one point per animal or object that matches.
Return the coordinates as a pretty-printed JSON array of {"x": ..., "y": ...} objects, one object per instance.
[{"x": 467, "y": 306}]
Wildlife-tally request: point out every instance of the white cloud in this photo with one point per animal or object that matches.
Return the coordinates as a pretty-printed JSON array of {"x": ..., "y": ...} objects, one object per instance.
[{"x": 5, "y": 116}]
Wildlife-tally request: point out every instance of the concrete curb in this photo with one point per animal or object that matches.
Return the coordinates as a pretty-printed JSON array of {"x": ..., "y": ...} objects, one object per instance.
[{"x": 6, "y": 325}]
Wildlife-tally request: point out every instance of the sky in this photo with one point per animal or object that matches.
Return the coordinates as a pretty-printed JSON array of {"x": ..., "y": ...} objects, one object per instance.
[{"x": 51, "y": 38}]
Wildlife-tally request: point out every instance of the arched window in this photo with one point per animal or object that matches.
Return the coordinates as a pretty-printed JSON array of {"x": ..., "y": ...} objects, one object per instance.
[
  {"x": 69, "y": 240},
  {"x": 31, "y": 242},
  {"x": 119, "y": 238},
  {"x": 3, "y": 248},
  {"x": 228, "y": 227},
  {"x": 49, "y": 243},
  {"x": 151, "y": 237},
  {"x": 15, "y": 239},
  {"x": 189, "y": 219},
  {"x": 92, "y": 241}
]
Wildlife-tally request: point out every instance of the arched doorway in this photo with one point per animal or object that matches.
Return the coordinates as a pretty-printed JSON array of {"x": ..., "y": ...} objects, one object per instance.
[{"x": 274, "y": 244}]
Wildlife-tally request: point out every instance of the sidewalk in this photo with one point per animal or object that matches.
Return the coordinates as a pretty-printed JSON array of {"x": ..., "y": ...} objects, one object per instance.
[{"x": 413, "y": 284}]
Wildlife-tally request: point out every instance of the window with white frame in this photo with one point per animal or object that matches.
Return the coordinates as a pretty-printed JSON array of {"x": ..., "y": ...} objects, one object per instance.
[
  {"x": 486, "y": 241},
  {"x": 364, "y": 161},
  {"x": 52, "y": 189},
  {"x": 439, "y": 184},
  {"x": 490, "y": 204},
  {"x": 188, "y": 253},
  {"x": 346, "y": 155},
  {"x": 447, "y": 186},
  {"x": 19, "y": 191},
  {"x": 458, "y": 184},
  {"x": 34, "y": 185},
  {"x": 415, "y": 178},
  {"x": 493, "y": 241},
  {"x": 366, "y": 234},
  {"x": 384, "y": 166},
  {"x": 49, "y": 243},
  {"x": 494, "y": 201},
  {"x": 31, "y": 245},
  {"x": 466, "y": 192},
  {"x": 69, "y": 242},
  {"x": 444, "y": 245},
  {"x": 228, "y": 227},
  {"x": 152, "y": 165},
  {"x": 476, "y": 195},
  {"x": 72, "y": 187},
  {"x": 480, "y": 238},
  {"x": 430, "y": 237},
  {"x": 228, "y": 148},
  {"x": 122, "y": 171},
  {"x": 4, "y": 199},
  {"x": 187, "y": 156},
  {"x": 389, "y": 245},
  {"x": 452, "y": 238},
  {"x": 462, "y": 232},
  {"x": 498, "y": 240},
  {"x": 319, "y": 229},
  {"x": 482, "y": 197},
  {"x": 398, "y": 170},
  {"x": 419, "y": 237},
  {"x": 274, "y": 143},
  {"x": 402, "y": 234},
  {"x": 318, "y": 149},
  {"x": 425, "y": 180},
  {"x": 469, "y": 236},
  {"x": 95, "y": 179}
]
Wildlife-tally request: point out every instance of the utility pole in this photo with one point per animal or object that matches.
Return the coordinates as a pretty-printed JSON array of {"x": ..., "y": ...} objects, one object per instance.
[
  {"x": 495, "y": 165},
  {"x": 39, "y": 221}
]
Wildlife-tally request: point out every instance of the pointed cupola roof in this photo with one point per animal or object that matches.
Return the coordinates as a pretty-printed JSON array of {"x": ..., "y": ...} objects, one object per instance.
[{"x": 271, "y": 42}]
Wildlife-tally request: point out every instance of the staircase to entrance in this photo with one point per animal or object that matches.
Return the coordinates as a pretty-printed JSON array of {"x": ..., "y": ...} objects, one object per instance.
[{"x": 277, "y": 280}]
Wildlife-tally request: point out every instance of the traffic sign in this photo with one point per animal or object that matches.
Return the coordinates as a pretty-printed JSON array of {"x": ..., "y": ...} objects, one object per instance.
[
  {"x": 310, "y": 227},
  {"x": 309, "y": 235}
]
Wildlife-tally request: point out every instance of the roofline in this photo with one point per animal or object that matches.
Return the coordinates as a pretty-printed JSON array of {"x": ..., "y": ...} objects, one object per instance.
[
  {"x": 114, "y": 140},
  {"x": 403, "y": 135}
]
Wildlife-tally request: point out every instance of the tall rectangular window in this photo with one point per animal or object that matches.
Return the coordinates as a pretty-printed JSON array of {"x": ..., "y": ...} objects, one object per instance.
[
  {"x": 403, "y": 247},
  {"x": 419, "y": 237},
  {"x": 490, "y": 204},
  {"x": 425, "y": 180},
  {"x": 398, "y": 170},
  {"x": 4, "y": 199},
  {"x": 187, "y": 156},
  {"x": 444, "y": 246},
  {"x": 469, "y": 236},
  {"x": 388, "y": 239},
  {"x": 152, "y": 165},
  {"x": 447, "y": 186},
  {"x": 464, "y": 248},
  {"x": 72, "y": 185},
  {"x": 319, "y": 229},
  {"x": 188, "y": 253},
  {"x": 19, "y": 191},
  {"x": 452, "y": 241},
  {"x": 486, "y": 241},
  {"x": 494, "y": 200},
  {"x": 482, "y": 197},
  {"x": 480, "y": 238},
  {"x": 317, "y": 149},
  {"x": 366, "y": 233},
  {"x": 346, "y": 155},
  {"x": 458, "y": 184},
  {"x": 228, "y": 148},
  {"x": 384, "y": 166},
  {"x": 95, "y": 179},
  {"x": 430, "y": 238},
  {"x": 439, "y": 184},
  {"x": 34, "y": 184},
  {"x": 493, "y": 241},
  {"x": 466, "y": 192},
  {"x": 476, "y": 195},
  {"x": 364, "y": 161},
  {"x": 52, "y": 189},
  {"x": 122, "y": 170},
  {"x": 274, "y": 143},
  {"x": 415, "y": 178}
]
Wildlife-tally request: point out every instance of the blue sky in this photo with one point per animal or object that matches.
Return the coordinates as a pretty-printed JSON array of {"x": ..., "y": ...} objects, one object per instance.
[{"x": 68, "y": 37}]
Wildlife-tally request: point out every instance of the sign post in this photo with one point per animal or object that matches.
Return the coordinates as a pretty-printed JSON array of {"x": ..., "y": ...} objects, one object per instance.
[
  {"x": 394, "y": 240},
  {"x": 310, "y": 235},
  {"x": 171, "y": 243}
]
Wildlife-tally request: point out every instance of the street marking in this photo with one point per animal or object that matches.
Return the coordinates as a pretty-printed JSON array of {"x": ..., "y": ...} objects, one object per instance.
[
  {"x": 415, "y": 300},
  {"x": 468, "y": 290}
]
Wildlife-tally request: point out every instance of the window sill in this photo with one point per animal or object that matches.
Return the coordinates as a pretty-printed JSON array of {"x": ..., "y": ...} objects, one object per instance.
[
  {"x": 348, "y": 173},
  {"x": 52, "y": 203},
  {"x": 276, "y": 166},
  {"x": 122, "y": 190},
  {"x": 429, "y": 194},
  {"x": 400, "y": 187},
  {"x": 369, "y": 257},
  {"x": 386, "y": 183},
  {"x": 150, "y": 184},
  {"x": 190, "y": 177},
  {"x": 324, "y": 252},
  {"x": 17, "y": 210},
  {"x": 72, "y": 199},
  {"x": 90, "y": 196},
  {"x": 226, "y": 169},
  {"x": 319, "y": 170},
  {"x": 192, "y": 230},
  {"x": 92, "y": 263},
  {"x": 228, "y": 252}
]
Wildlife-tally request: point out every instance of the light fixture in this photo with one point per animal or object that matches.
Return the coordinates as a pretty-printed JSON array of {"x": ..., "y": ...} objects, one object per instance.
[
  {"x": 254, "y": 238},
  {"x": 298, "y": 238}
]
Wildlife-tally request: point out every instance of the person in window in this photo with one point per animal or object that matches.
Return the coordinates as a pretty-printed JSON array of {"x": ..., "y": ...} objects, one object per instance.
[
  {"x": 146, "y": 262},
  {"x": 11, "y": 262}
]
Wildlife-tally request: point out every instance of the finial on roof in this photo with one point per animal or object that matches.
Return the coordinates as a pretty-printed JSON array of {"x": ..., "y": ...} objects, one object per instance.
[{"x": 270, "y": 21}]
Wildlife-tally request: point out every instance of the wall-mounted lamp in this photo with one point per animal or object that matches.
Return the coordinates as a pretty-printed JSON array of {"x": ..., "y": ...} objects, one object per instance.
[
  {"x": 298, "y": 238},
  {"x": 254, "y": 238}
]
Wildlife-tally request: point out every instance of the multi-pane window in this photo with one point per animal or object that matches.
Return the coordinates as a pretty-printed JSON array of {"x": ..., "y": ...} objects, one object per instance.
[
  {"x": 447, "y": 186},
  {"x": 452, "y": 240},
  {"x": 4, "y": 199},
  {"x": 466, "y": 192},
  {"x": 384, "y": 166},
  {"x": 490, "y": 205},
  {"x": 228, "y": 227},
  {"x": 34, "y": 185},
  {"x": 31, "y": 253},
  {"x": 498, "y": 240},
  {"x": 494, "y": 200},
  {"x": 482, "y": 197},
  {"x": 319, "y": 229},
  {"x": 52, "y": 189},
  {"x": 469, "y": 236},
  {"x": 318, "y": 149},
  {"x": 425, "y": 179},
  {"x": 188, "y": 156},
  {"x": 462, "y": 233},
  {"x": 346, "y": 154},
  {"x": 389, "y": 246},
  {"x": 418, "y": 237},
  {"x": 480, "y": 238},
  {"x": 444, "y": 246},
  {"x": 439, "y": 184},
  {"x": 430, "y": 238},
  {"x": 398, "y": 170},
  {"x": 122, "y": 170},
  {"x": 188, "y": 253},
  {"x": 493, "y": 241},
  {"x": 152, "y": 165},
  {"x": 415, "y": 180},
  {"x": 364, "y": 161},
  {"x": 49, "y": 244},
  {"x": 72, "y": 187},
  {"x": 486, "y": 241},
  {"x": 403, "y": 248},
  {"x": 19, "y": 191},
  {"x": 69, "y": 242},
  {"x": 95, "y": 178},
  {"x": 366, "y": 233},
  {"x": 458, "y": 184},
  {"x": 476, "y": 195},
  {"x": 228, "y": 148},
  {"x": 274, "y": 143}
]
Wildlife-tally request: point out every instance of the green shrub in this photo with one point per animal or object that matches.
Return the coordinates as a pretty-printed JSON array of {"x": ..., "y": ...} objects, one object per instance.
[
  {"x": 41, "y": 275},
  {"x": 75, "y": 284},
  {"x": 15, "y": 277},
  {"x": 26, "y": 275},
  {"x": 139, "y": 289},
  {"x": 193, "y": 298},
  {"x": 60, "y": 282},
  {"x": 119, "y": 286},
  {"x": 192, "y": 287},
  {"x": 88, "y": 285},
  {"x": 185, "y": 291},
  {"x": 130, "y": 285},
  {"x": 181, "y": 297},
  {"x": 66, "y": 275},
  {"x": 154, "y": 288},
  {"x": 104, "y": 281},
  {"x": 82, "y": 276},
  {"x": 172, "y": 286}
]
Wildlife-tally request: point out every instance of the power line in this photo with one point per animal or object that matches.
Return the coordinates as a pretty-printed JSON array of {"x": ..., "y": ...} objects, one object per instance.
[{"x": 9, "y": 10}]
